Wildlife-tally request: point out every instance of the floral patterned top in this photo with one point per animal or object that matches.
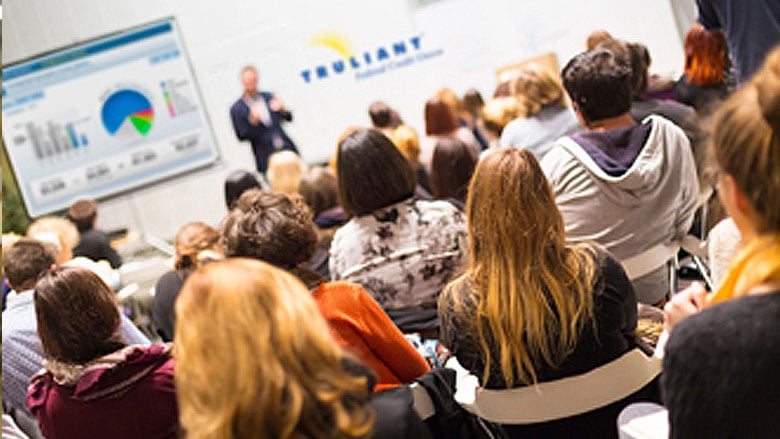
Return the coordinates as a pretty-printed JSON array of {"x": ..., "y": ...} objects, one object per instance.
[{"x": 403, "y": 254}]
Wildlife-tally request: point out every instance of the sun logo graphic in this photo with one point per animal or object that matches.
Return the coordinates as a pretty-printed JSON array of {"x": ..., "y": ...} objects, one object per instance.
[{"x": 362, "y": 62}]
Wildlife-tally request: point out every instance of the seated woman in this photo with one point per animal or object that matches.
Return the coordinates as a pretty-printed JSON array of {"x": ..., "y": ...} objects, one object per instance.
[
  {"x": 720, "y": 363},
  {"x": 195, "y": 243},
  {"x": 319, "y": 189},
  {"x": 93, "y": 385},
  {"x": 544, "y": 116},
  {"x": 703, "y": 83},
  {"x": 529, "y": 308},
  {"x": 254, "y": 359},
  {"x": 451, "y": 170},
  {"x": 401, "y": 250},
  {"x": 442, "y": 121},
  {"x": 285, "y": 169},
  {"x": 277, "y": 228}
]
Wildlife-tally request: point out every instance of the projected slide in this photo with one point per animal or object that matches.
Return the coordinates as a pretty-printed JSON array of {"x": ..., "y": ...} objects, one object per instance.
[
  {"x": 104, "y": 117},
  {"x": 127, "y": 114}
]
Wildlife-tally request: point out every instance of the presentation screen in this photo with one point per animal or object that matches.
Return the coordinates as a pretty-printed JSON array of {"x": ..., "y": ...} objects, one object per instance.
[{"x": 104, "y": 117}]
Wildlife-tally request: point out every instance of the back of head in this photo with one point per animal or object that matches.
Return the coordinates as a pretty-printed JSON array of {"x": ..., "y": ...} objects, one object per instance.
[
  {"x": 596, "y": 37},
  {"x": 599, "y": 85},
  {"x": 498, "y": 113},
  {"x": 639, "y": 58},
  {"x": 451, "y": 169},
  {"x": 381, "y": 115},
  {"x": 746, "y": 141},
  {"x": 473, "y": 102},
  {"x": 405, "y": 139},
  {"x": 26, "y": 261},
  {"x": 371, "y": 172},
  {"x": 255, "y": 358},
  {"x": 57, "y": 230},
  {"x": 705, "y": 56},
  {"x": 525, "y": 276},
  {"x": 285, "y": 169},
  {"x": 83, "y": 214},
  {"x": 192, "y": 240},
  {"x": 449, "y": 97},
  {"x": 270, "y": 226},
  {"x": 236, "y": 184},
  {"x": 77, "y": 315},
  {"x": 319, "y": 189},
  {"x": 535, "y": 88},
  {"x": 439, "y": 118}
]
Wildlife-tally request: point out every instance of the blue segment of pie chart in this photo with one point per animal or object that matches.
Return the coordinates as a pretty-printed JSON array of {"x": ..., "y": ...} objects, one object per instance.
[{"x": 120, "y": 106}]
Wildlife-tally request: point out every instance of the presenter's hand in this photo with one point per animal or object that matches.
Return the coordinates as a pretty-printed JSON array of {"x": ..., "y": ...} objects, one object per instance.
[
  {"x": 276, "y": 104},
  {"x": 685, "y": 303}
]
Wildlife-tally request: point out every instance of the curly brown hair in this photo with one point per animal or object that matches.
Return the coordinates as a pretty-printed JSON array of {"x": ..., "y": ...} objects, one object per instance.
[{"x": 270, "y": 226}]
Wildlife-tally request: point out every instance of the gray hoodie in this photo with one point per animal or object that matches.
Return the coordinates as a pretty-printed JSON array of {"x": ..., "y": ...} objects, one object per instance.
[{"x": 651, "y": 203}]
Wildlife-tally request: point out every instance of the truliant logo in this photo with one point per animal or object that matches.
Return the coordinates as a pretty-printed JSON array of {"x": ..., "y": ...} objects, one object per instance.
[{"x": 365, "y": 64}]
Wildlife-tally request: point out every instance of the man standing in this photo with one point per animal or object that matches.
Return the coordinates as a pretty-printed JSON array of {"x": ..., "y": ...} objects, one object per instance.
[{"x": 257, "y": 116}]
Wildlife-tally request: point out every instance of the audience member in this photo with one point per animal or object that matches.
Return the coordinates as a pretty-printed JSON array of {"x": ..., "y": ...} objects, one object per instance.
[
  {"x": 277, "y": 228},
  {"x": 595, "y": 38},
  {"x": 574, "y": 305},
  {"x": 746, "y": 147},
  {"x": 254, "y": 359},
  {"x": 448, "y": 96},
  {"x": 496, "y": 115},
  {"x": 617, "y": 177},
  {"x": 751, "y": 29},
  {"x": 94, "y": 384},
  {"x": 472, "y": 106},
  {"x": 93, "y": 243},
  {"x": 703, "y": 83},
  {"x": 23, "y": 264},
  {"x": 63, "y": 234},
  {"x": 383, "y": 118},
  {"x": 195, "y": 244},
  {"x": 544, "y": 116},
  {"x": 320, "y": 191},
  {"x": 9, "y": 239},
  {"x": 285, "y": 169},
  {"x": 402, "y": 250},
  {"x": 451, "y": 170},
  {"x": 235, "y": 185},
  {"x": 406, "y": 140},
  {"x": 441, "y": 121}
]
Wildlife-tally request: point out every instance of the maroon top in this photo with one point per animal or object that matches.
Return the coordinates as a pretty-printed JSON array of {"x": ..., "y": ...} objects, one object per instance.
[{"x": 126, "y": 394}]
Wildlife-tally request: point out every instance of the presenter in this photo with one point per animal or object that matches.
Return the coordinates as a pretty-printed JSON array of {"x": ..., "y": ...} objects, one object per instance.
[{"x": 257, "y": 117}]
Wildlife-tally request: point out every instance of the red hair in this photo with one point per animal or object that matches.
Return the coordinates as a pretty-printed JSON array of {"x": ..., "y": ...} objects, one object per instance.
[{"x": 705, "y": 55}]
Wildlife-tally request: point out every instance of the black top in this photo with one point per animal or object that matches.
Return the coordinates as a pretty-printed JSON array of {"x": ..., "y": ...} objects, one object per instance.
[
  {"x": 703, "y": 98},
  {"x": 165, "y": 293},
  {"x": 720, "y": 371},
  {"x": 96, "y": 245},
  {"x": 612, "y": 335}
]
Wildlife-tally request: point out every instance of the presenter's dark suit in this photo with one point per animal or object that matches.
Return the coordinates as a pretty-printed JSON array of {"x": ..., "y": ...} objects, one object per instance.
[{"x": 265, "y": 139}]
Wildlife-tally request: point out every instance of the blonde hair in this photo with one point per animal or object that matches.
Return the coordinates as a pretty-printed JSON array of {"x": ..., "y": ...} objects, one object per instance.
[
  {"x": 498, "y": 112},
  {"x": 449, "y": 97},
  {"x": 405, "y": 139},
  {"x": 67, "y": 235},
  {"x": 536, "y": 87},
  {"x": 285, "y": 169},
  {"x": 255, "y": 358},
  {"x": 534, "y": 294},
  {"x": 746, "y": 141}
]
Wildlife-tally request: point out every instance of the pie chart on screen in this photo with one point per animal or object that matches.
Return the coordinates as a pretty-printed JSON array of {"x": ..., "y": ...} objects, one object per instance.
[{"x": 127, "y": 114}]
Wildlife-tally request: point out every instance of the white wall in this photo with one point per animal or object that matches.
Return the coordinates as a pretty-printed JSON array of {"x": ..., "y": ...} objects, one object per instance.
[{"x": 476, "y": 38}]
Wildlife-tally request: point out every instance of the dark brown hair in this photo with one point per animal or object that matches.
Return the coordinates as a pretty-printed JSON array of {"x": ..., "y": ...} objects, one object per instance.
[
  {"x": 599, "y": 83},
  {"x": 451, "y": 169},
  {"x": 77, "y": 315},
  {"x": 83, "y": 214},
  {"x": 192, "y": 239},
  {"x": 371, "y": 172},
  {"x": 26, "y": 260},
  {"x": 270, "y": 226},
  {"x": 439, "y": 118}
]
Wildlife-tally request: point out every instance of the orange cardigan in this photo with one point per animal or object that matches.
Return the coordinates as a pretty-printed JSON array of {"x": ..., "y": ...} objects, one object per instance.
[{"x": 360, "y": 325}]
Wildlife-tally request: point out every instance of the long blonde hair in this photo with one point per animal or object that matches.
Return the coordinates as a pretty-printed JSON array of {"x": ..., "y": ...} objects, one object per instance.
[
  {"x": 256, "y": 359},
  {"x": 534, "y": 293},
  {"x": 536, "y": 87}
]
